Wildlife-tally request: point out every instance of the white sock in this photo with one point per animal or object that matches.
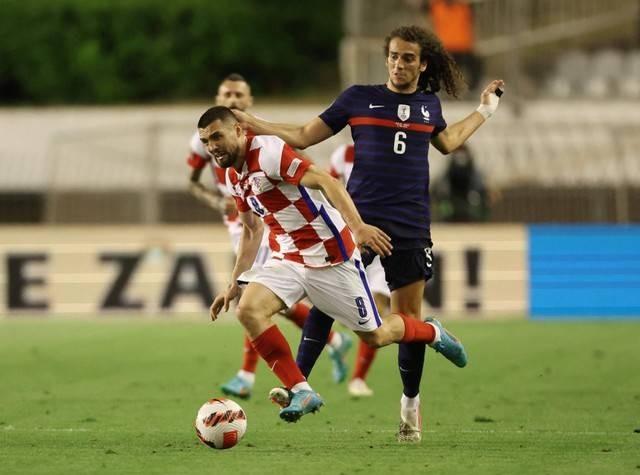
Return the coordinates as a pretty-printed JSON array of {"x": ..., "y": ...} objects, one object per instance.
[
  {"x": 410, "y": 403},
  {"x": 301, "y": 386},
  {"x": 335, "y": 341},
  {"x": 247, "y": 376},
  {"x": 438, "y": 334},
  {"x": 410, "y": 410}
]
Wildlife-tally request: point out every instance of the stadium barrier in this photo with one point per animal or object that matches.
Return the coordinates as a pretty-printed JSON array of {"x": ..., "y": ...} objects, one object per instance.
[{"x": 481, "y": 270}]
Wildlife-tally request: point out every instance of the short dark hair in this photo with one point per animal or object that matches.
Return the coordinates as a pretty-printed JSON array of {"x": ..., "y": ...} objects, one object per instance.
[
  {"x": 235, "y": 77},
  {"x": 216, "y": 113},
  {"x": 441, "y": 70}
]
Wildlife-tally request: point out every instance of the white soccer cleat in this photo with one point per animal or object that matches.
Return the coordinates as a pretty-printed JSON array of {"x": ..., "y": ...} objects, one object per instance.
[
  {"x": 358, "y": 388},
  {"x": 410, "y": 429}
]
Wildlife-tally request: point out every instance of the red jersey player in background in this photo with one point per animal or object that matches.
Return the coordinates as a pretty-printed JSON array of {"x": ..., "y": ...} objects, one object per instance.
[
  {"x": 341, "y": 166},
  {"x": 235, "y": 92}
]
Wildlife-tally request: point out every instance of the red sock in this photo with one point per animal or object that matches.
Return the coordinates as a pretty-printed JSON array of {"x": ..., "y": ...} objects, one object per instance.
[
  {"x": 250, "y": 358},
  {"x": 298, "y": 314},
  {"x": 366, "y": 354},
  {"x": 416, "y": 331},
  {"x": 275, "y": 350}
]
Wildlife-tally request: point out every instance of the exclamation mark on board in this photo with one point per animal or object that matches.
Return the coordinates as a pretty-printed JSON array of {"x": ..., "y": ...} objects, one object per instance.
[{"x": 472, "y": 291}]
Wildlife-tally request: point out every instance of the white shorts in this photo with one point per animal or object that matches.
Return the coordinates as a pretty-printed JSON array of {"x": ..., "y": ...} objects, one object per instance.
[
  {"x": 264, "y": 252},
  {"x": 341, "y": 291},
  {"x": 377, "y": 280}
]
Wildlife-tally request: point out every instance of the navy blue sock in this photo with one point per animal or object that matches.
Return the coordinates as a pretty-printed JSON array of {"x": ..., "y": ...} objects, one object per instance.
[
  {"x": 410, "y": 363},
  {"x": 314, "y": 337}
]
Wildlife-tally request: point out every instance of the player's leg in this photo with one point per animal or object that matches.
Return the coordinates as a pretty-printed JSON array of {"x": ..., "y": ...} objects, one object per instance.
[
  {"x": 242, "y": 383},
  {"x": 375, "y": 275},
  {"x": 337, "y": 343},
  {"x": 408, "y": 300},
  {"x": 366, "y": 354},
  {"x": 270, "y": 289}
]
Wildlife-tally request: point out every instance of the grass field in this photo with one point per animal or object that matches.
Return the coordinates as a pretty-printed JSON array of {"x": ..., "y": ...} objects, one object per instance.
[{"x": 120, "y": 396}]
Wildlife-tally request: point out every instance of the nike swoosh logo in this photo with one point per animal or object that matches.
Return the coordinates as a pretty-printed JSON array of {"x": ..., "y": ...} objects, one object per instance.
[
  {"x": 362, "y": 322},
  {"x": 310, "y": 339},
  {"x": 374, "y": 106}
]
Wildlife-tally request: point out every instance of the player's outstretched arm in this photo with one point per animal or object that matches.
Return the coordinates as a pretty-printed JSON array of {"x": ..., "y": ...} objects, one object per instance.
[
  {"x": 365, "y": 234},
  {"x": 298, "y": 136},
  {"x": 456, "y": 134},
  {"x": 252, "y": 229}
]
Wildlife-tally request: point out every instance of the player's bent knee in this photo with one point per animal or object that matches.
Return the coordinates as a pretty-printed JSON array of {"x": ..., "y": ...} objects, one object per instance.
[
  {"x": 247, "y": 313},
  {"x": 374, "y": 339}
]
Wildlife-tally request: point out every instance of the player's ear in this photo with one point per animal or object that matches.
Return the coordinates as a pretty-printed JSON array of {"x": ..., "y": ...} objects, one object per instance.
[{"x": 423, "y": 66}]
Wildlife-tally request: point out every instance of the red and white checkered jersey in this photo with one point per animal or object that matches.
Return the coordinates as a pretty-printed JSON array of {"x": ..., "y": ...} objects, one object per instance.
[
  {"x": 304, "y": 227},
  {"x": 198, "y": 159},
  {"x": 342, "y": 162}
]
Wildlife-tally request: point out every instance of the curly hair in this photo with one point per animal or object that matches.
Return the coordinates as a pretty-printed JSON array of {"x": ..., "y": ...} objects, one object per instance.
[{"x": 442, "y": 70}]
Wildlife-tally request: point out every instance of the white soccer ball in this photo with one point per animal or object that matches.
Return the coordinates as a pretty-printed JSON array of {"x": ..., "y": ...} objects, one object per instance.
[{"x": 220, "y": 423}]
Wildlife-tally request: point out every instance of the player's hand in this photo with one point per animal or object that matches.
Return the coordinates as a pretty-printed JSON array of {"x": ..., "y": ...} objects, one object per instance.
[
  {"x": 376, "y": 239},
  {"x": 485, "y": 97},
  {"x": 490, "y": 98},
  {"x": 243, "y": 117},
  {"x": 228, "y": 205},
  {"x": 222, "y": 301}
]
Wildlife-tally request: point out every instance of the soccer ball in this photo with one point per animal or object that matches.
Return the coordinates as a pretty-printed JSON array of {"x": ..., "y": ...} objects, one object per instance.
[{"x": 220, "y": 423}]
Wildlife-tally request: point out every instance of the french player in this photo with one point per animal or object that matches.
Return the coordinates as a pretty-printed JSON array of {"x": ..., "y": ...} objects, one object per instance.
[
  {"x": 392, "y": 125},
  {"x": 316, "y": 231}
]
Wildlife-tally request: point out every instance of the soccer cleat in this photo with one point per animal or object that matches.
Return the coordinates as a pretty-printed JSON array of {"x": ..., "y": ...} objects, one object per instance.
[
  {"x": 280, "y": 397},
  {"x": 238, "y": 387},
  {"x": 450, "y": 347},
  {"x": 358, "y": 388},
  {"x": 302, "y": 402},
  {"x": 410, "y": 429},
  {"x": 339, "y": 368},
  {"x": 407, "y": 433}
]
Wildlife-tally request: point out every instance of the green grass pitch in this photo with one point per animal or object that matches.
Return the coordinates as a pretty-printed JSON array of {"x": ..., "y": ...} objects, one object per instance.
[{"x": 112, "y": 395}]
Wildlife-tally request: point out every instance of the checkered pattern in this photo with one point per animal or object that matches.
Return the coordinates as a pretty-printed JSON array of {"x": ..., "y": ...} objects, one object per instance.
[
  {"x": 342, "y": 162},
  {"x": 305, "y": 228}
]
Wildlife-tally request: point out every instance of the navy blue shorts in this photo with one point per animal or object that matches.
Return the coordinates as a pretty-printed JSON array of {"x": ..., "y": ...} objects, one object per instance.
[{"x": 405, "y": 266}]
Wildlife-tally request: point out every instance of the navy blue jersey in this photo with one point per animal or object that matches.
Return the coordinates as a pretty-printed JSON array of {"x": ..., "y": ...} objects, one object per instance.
[{"x": 390, "y": 179}]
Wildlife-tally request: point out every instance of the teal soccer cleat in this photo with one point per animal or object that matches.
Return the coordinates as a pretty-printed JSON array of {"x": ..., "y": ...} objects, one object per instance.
[
  {"x": 238, "y": 387},
  {"x": 339, "y": 367},
  {"x": 303, "y": 402},
  {"x": 449, "y": 345}
]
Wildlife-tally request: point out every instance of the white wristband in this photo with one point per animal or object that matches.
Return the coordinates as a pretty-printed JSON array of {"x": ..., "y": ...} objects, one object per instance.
[{"x": 487, "y": 110}]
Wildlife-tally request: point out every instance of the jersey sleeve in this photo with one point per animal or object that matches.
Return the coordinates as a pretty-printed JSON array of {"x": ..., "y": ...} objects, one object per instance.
[
  {"x": 198, "y": 156},
  {"x": 292, "y": 166},
  {"x": 337, "y": 115},
  {"x": 439, "y": 122},
  {"x": 281, "y": 162}
]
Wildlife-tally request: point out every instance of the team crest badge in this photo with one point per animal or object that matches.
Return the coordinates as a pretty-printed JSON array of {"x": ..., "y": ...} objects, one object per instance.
[
  {"x": 260, "y": 184},
  {"x": 404, "y": 111}
]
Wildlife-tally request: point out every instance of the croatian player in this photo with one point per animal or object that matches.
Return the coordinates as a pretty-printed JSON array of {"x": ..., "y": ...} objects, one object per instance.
[
  {"x": 342, "y": 160},
  {"x": 314, "y": 254},
  {"x": 235, "y": 92},
  {"x": 392, "y": 126}
]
